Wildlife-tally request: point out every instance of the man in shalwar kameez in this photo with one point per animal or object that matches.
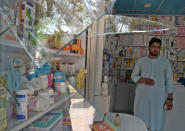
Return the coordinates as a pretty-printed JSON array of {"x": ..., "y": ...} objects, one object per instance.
[{"x": 154, "y": 92}]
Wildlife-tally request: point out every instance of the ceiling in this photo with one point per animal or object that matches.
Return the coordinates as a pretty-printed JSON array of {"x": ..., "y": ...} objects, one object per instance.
[{"x": 158, "y": 7}]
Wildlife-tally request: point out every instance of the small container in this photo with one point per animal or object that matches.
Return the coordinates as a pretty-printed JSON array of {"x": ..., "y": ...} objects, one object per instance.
[
  {"x": 59, "y": 77},
  {"x": 50, "y": 77},
  {"x": 106, "y": 78},
  {"x": 43, "y": 99},
  {"x": 44, "y": 81},
  {"x": 33, "y": 103},
  {"x": 117, "y": 121},
  {"x": 44, "y": 94},
  {"x": 51, "y": 96},
  {"x": 62, "y": 87},
  {"x": 22, "y": 108},
  {"x": 71, "y": 68},
  {"x": 72, "y": 80},
  {"x": 63, "y": 67}
]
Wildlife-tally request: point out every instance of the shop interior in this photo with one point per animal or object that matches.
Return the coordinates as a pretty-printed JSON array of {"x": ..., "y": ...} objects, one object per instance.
[{"x": 66, "y": 65}]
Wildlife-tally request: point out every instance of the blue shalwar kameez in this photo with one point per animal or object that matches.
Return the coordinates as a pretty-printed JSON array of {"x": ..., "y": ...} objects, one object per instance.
[{"x": 150, "y": 99}]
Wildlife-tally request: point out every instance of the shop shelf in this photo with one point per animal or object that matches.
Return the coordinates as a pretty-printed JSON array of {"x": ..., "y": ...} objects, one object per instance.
[
  {"x": 16, "y": 125},
  {"x": 9, "y": 43},
  {"x": 65, "y": 53}
]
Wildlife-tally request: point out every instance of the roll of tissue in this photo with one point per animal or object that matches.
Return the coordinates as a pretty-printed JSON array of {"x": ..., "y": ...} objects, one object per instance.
[
  {"x": 61, "y": 86},
  {"x": 105, "y": 92},
  {"x": 63, "y": 67},
  {"x": 106, "y": 78},
  {"x": 105, "y": 86},
  {"x": 44, "y": 81},
  {"x": 43, "y": 99}
]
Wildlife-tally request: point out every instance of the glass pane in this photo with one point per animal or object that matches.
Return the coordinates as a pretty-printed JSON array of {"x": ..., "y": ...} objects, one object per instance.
[
  {"x": 115, "y": 24},
  {"x": 40, "y": 25}
]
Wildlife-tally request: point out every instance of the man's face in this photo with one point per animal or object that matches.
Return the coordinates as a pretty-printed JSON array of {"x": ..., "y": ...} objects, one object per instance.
[{"x": 154, "y": 49}]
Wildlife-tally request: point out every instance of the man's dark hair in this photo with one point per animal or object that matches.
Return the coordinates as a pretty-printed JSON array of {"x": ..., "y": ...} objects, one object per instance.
[{"x": 153, "y": 40}]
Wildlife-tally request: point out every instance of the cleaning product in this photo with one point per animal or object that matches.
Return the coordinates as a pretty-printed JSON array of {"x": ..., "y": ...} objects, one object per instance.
[{"x": 22, "y": 108}]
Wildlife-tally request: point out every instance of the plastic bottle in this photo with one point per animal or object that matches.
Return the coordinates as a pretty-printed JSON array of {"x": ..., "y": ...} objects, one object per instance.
[
  {"x": 23, "y": 108},
  {"x": 117, "y": 121}
]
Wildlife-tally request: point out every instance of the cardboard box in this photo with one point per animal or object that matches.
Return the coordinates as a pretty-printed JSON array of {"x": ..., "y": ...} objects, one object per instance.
[
  {"x": 102, "y": 127},
  {"x": 51, "y": 121}
]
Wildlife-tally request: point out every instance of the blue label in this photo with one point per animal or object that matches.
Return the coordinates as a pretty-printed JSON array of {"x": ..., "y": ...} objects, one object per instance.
[
  {"x": 20, "y": 96},
  {"x": 20, "y": 116}
]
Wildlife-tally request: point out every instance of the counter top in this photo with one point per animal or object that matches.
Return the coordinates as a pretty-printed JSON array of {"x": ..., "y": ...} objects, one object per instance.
[{"x": 129, "y": 122}]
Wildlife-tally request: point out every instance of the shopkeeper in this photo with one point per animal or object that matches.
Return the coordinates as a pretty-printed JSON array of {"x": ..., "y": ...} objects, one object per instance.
[{"x": 154, "y": 92}]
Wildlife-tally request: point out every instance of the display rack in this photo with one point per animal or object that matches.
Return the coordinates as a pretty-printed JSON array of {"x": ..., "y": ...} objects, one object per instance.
[
  {"x": 16, "y": 125},
  {"x": 9, "y": 43},
  {"x": 65, "y": 53}
]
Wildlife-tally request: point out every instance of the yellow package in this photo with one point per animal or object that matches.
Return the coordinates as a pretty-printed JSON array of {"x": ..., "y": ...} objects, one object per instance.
[
  {"x": 80, "y": 80},
  {"x": 3, "y": 119},
  {"x": 83, "y": 70}
]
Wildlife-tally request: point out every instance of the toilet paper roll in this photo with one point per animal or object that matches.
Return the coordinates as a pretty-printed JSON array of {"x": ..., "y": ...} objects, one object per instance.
[
  {"x": 105, "y": 86},
  {"x": 105, "y": 92},
  {"x": 63, "y": 67},
  {"x": 106, "y": 78}
]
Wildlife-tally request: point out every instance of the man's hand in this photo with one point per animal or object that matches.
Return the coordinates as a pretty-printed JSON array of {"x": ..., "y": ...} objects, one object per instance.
[
  {"x": 147, "y": 81},
  {"x": 168, "y": 105}
]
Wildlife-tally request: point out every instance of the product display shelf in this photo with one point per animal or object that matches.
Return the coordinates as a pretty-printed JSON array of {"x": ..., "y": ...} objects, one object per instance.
[
  {"x": 129, "y": 57},
  {"x": 3, "y": 73},
  {"x": 75, "y": 19},
  {"x": 117, "y": 69},
  {"x": 16, "y": 125},
  {"x": 173, "y": 48},
  {"x": 169, "y": 35},
  {"x": 177, "y": 60},
  {"x": 65, "y": 53},
  {"x": 9, "y": 43},
  {"x": 173, "y": 35},
  {"x": 135, "y": 45}
]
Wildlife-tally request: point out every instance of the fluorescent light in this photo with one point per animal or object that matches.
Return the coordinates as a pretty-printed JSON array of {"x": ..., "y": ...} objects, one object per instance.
[{"x": 147, "y": 5}]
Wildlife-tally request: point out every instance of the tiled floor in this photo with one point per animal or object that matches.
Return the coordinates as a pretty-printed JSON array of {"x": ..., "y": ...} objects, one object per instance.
[
  {"x": 81, "y": 118},
  {"x": 81, "y": 113}
]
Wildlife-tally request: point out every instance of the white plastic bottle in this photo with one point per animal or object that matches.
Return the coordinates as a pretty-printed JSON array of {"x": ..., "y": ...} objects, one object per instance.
[{"x": 22, "y": 108}]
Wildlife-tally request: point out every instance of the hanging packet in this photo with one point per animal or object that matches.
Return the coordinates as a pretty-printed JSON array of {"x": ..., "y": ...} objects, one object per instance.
[{"x": 3, "y": 118}]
